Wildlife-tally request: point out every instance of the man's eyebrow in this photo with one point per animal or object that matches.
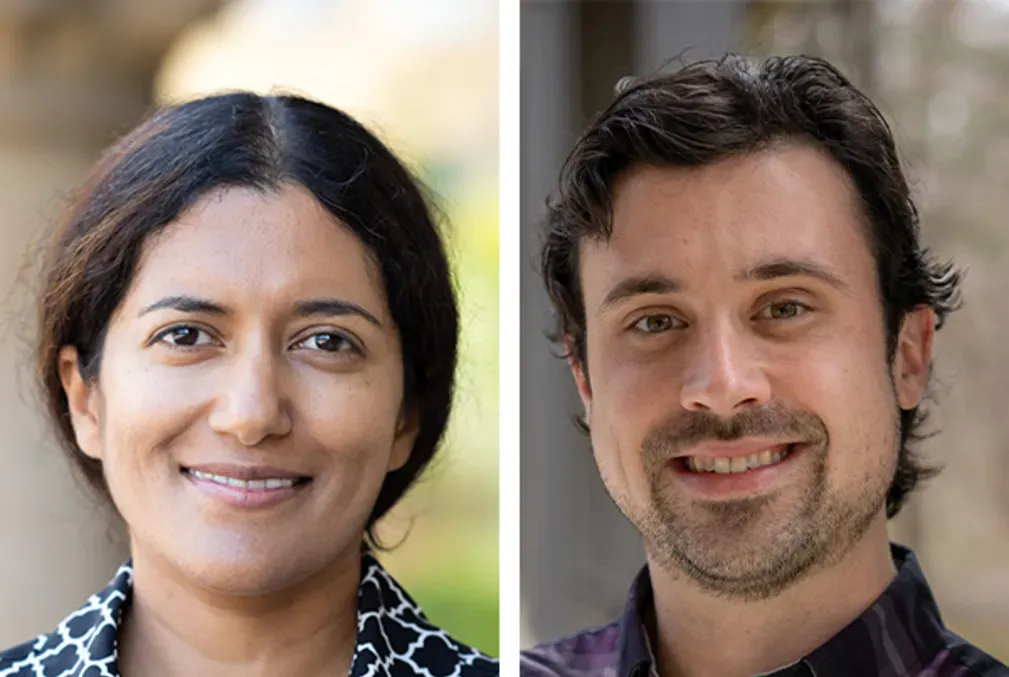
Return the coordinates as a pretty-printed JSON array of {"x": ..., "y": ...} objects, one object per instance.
[
  {"x": 185, "y": 304},
  {"x": 778, "y": 268},
  {"x": 768, "y": 270},
  {"x": 308, "y": 308},
  {"x": 634, "y": 286}
]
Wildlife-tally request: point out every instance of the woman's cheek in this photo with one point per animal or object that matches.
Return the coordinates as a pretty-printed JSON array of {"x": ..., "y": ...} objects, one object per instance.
[{"x": 350, "y": 416}]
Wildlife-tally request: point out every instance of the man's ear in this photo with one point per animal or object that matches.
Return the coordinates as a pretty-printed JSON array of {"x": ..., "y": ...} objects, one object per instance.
[
  {"x": 82, "y": 401},
  {"x": 912, "y": 357},
  {"x": 581, "y": 376}
]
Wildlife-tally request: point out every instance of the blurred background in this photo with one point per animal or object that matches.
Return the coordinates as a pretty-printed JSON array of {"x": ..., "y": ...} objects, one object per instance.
[
  {"x": 939, "y": 70},
  {"x": 424, "y": 76}
]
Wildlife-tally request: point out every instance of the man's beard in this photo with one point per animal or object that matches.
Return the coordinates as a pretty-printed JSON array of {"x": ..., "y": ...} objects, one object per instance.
[{"x": 753, "y": 548}]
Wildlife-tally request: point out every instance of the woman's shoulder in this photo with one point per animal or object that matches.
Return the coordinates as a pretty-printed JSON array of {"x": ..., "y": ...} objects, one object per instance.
[
  {"x": 86, "y": 638},
  {"x": 18, "y": 655},
  {"x": 394, "y": 632}
]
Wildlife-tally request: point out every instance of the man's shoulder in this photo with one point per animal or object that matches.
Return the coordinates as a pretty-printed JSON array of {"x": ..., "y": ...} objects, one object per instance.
[
  {"x": 959, "y": 653},
  {"x": 589, "y": 653}
]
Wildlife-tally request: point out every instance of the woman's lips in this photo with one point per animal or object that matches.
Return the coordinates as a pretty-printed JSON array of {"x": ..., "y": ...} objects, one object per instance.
[
  {"x": 244, "y": 472},
  {"x": 245, "y": 486}
]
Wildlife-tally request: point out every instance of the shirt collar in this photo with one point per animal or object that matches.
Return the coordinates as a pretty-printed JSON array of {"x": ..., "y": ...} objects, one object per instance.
[
  {"x": 635, "y": 657},
  {"x": 901, "y": 629}
]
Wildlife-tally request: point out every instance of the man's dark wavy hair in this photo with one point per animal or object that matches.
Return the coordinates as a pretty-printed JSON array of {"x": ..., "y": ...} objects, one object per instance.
[{"x": 713, "y": 109}]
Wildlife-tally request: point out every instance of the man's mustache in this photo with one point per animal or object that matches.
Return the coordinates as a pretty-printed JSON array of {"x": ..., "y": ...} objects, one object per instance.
[{"x": 773, "y": 420}]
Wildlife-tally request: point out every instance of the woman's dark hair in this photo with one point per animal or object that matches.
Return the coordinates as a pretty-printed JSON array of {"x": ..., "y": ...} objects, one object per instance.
[
  {"x": 181, "y": 153},
  {"x": 713, "y": 109}
]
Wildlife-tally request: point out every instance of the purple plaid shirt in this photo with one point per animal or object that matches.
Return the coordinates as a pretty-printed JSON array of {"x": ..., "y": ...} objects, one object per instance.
[{"x": 900, "y": 635}]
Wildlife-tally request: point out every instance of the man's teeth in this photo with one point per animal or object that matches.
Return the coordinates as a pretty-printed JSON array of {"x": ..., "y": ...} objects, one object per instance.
[
  {"x": 737, "y": 464},
  {"x": 267, "y": 483}
]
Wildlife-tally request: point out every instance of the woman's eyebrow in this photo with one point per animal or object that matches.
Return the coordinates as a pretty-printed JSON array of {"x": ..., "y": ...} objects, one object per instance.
[
  {"x": 185, "y": 304},
  {"x": 307, "y": 308},
  {"x": 331, "y": 307}
]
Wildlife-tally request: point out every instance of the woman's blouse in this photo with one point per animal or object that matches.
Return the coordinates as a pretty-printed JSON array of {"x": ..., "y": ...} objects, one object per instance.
[{"x": 394, "y": 637}]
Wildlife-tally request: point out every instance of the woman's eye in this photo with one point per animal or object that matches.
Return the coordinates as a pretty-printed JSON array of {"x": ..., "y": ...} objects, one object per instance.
[
  {"x": 185, "y": 337},
  {"x": 784, "y": 310},
  {"x": 329, "y": 342},
  {"x": 654, "y": 324}
]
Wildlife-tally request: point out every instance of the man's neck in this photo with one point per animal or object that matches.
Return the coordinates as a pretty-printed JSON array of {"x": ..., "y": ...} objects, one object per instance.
[
  {"x": 699, "y": 635},
  {"x": 173, "y": 628}
]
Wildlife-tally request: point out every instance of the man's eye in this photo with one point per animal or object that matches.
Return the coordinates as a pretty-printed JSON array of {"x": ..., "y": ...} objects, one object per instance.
[
  {"x": 783, "y": 310},
  {"x": 654, "y": 324},
  {"x": 184, "y": 337}
]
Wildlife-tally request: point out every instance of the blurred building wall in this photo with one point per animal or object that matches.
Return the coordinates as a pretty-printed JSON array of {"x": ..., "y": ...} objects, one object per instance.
[
  {"x": 938, "y": 70},
  {"x": 72, "y": 76}
]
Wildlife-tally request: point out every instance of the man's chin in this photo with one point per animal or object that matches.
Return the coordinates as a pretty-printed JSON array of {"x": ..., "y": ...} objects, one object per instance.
[
  {"x": 742, "y": 572},
  {"x": 742, "y": 549}
]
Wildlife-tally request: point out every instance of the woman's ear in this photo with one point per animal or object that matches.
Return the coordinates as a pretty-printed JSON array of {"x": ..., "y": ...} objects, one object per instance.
[
  {"x": 82, "y": 401},
  {"x": 407, "y": 430}
]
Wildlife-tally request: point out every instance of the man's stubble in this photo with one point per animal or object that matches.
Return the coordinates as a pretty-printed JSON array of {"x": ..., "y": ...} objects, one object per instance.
[{"x": 754, "y": 548}]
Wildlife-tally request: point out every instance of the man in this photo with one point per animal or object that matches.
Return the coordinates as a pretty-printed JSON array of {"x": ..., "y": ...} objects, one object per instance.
[{"x": 733, "y": 256}]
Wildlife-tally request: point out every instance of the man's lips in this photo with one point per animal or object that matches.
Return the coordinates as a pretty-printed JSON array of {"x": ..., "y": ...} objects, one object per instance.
[
  {"x": 737, "y": 449},
  {"x": 720, "y": 471},
  {"x": 738, "y": 457}
]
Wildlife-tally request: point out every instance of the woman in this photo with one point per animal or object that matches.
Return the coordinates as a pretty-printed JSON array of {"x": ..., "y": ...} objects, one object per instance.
[{"x": 247, "y": 342}]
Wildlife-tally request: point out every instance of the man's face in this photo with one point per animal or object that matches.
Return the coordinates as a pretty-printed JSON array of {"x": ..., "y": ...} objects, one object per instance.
[{"x": 743, "y": 412}]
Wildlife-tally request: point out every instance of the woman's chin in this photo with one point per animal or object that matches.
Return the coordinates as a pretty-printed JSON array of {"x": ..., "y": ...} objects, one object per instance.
[
  {"x": 249, "y": 574},
  {"x": 248, "y": 578}
]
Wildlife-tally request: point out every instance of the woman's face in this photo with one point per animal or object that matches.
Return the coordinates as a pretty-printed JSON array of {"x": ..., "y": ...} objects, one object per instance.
[{"x": 249, "y": 400}]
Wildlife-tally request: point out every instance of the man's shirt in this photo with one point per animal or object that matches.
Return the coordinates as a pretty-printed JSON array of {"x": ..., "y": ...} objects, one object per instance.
[{"x": 900, "y": 635}]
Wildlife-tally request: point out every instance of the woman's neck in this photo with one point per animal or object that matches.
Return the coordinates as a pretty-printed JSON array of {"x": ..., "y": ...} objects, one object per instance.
[{"x": 175, "y": 628}]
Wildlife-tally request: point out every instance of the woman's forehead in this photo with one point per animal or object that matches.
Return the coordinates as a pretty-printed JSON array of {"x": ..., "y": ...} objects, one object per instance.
[{"x": 247, "y": 244}]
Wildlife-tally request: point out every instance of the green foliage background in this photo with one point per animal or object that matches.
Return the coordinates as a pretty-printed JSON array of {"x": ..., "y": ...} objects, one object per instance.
[{"x": 444, "y": 536}]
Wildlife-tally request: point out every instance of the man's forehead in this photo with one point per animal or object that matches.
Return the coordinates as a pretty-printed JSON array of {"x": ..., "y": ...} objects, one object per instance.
[
  {"x": 736, "y": 254},
  {"x": 774, "y": 182},
  {"x": 789, "y": 204}
]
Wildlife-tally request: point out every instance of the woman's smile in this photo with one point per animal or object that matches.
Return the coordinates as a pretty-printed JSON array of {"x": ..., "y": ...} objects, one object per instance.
[{"x": 246, "y": 486}]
